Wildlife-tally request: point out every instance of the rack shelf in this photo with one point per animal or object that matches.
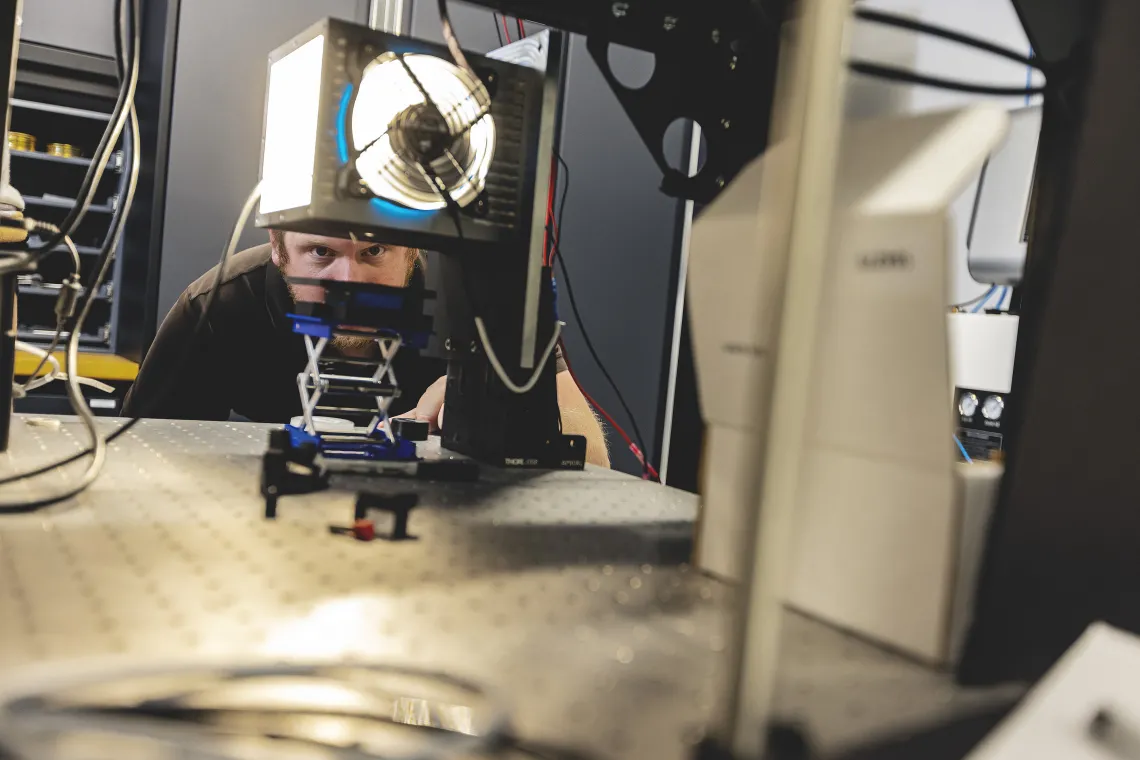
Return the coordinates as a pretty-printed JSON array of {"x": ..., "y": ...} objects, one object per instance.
[
  {"x": 61, "y": 110},
  {"x": 36, "y": 242},
  {"x": 61, "y": 203},
  {"x": 43, "y": 335},
  {"x": 47, "y": 290},
  {"x": 80, "y": 161}
]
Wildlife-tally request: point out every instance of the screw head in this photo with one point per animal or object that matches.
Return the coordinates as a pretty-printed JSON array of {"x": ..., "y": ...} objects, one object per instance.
[
  {"x": 725, "y": 123},
  {"x": 715, "y": 36},
  {"x": 732, "y": 63},
  {"x": 474, "y": 347},
  {"x": 447, "y": 344},
  {"x": 720, "y": 181}
]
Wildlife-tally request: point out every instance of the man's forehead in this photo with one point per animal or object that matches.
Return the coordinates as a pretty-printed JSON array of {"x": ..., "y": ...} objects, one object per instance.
[{"x": 303, "y": 239}]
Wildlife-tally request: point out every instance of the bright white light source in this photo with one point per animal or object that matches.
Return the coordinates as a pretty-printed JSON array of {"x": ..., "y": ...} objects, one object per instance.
[
  {"x": 291, "y": 128},
  {"x": 386, "y": 97}
]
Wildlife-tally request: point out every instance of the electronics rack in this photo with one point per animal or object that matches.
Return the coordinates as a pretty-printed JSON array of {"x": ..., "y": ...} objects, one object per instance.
[{"x": 65, "y": 96}]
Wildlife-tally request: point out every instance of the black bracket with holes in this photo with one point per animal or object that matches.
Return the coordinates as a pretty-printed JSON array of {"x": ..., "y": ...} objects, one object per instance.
[
  {"x": 714, "y": 63},
  {"x": 287, "y": 469}
]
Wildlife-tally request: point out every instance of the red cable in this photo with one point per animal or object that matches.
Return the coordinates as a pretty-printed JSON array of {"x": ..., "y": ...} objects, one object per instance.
[
  {"x": 590, "y": 399},
  {"x": 522, "y": 29},
  {"x": 547, "y": 257},
  {"x": 613, "y": 423},
  {"x": 625, "y": 436},
  {"x": 506, "y": 31}
]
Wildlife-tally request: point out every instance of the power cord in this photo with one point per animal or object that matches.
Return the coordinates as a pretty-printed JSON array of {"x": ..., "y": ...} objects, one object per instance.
[
  {"x": 981, "y": 305},
  {"x": 894, "y": 74},
  {"x": 219, "y": 278},
  {"x": 98, "y": 447},
  {"x": 64, "y": 304},
  {"x": 914, "y": 25},
  {"x": 639, "y": 450},
  {"x": 498, "y": 31},
  {"x": 480, "y": 326},
  {"x": 452, "y": 45},
  {"x": 498, "y": 367}
]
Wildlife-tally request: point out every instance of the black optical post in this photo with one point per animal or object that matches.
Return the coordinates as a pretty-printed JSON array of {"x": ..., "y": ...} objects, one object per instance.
[{"x": 9, "y": 44}]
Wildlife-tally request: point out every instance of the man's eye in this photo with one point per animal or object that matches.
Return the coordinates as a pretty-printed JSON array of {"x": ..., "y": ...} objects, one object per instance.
[
  {"x": 374, "y": 251},
  {"x": 320, "y": 252}
]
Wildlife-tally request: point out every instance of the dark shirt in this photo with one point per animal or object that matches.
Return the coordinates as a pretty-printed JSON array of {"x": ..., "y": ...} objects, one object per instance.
[{"x": 246, "y": 358}]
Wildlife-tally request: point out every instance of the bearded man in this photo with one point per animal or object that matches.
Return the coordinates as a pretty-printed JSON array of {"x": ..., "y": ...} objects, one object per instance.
[{"x": 245, "y": 360}]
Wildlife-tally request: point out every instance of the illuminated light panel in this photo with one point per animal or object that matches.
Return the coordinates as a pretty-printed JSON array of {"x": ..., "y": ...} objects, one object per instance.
[
  {"x": 386, "y": 91},
  {"x": 291, "y": 117}
]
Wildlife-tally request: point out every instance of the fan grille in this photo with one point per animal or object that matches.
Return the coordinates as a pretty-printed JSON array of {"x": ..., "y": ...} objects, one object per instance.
[{"x": 411, "y": 148}]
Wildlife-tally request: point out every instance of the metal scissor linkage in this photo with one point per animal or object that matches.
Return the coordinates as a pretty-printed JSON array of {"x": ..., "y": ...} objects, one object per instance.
[
  {"x": 354, "y": 393},
  {"x": 390, "y": 318}
]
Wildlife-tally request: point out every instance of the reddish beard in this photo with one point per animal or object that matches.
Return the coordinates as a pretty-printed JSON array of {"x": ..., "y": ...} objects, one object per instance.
[{"x": 349, "y": 345}]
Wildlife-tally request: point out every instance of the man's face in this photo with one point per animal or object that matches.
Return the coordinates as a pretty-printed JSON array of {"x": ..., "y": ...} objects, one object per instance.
[
  {"x": 336, "y": 259},
  {"x": 329, "y": 258}
]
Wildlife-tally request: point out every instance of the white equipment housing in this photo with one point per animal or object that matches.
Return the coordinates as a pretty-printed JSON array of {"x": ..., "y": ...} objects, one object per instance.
[
  {"x": 982, "y": 348},
  {"x": 998, "y": 236},
  {"x": 879, "y": 512}
]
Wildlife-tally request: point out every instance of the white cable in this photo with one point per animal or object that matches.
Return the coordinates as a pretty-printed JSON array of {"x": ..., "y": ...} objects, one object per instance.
[
  {"x": 129, "y": 24},
  {"x": 45, "y": 359},
  {"x": 498, "y": 367},
  {"x": 74, "y": 252},
  {"x": 56, "y": 372}
]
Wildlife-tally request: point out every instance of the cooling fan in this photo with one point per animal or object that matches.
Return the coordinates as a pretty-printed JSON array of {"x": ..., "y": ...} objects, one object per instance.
[
  {"x": 373, "y": 135},
  {"x": 422, "y": 128}
]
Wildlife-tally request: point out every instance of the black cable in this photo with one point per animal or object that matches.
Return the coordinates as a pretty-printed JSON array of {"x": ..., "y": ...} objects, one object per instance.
[
  {"x": 601, "y": 366},
  {"x": 586, "y": 336},
  {"x": 219, "y": 278},
  {"x": 452, "y": 42},
  {"x": 498, "y": 31},
  {"x": 561, "y": 208},
  {"x": 902, "y": 22},
  {"x": 103, "y": 151},
  {"x": 892, "y": 74}
]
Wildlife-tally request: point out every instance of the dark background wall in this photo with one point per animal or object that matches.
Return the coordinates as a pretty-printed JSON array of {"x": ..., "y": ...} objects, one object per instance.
[
  {"x": 619, "y": 235},
  {"x": 215, "y": 134}
]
